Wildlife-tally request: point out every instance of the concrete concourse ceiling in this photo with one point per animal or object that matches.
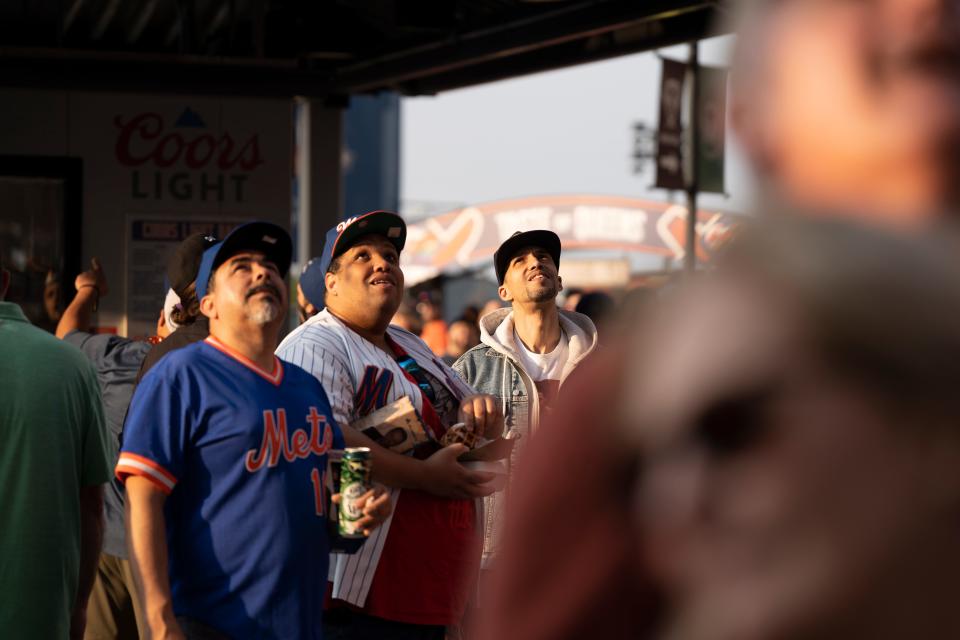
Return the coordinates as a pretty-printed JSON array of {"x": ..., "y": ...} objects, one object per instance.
[{"x": 325, "y": 48}]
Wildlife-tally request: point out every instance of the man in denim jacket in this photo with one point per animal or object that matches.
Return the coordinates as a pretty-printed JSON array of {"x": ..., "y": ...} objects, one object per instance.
[{"x": 527, "y": 351}]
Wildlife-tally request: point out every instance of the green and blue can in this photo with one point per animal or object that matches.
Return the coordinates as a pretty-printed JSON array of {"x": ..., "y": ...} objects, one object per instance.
[{"x": 355, "y": 470}]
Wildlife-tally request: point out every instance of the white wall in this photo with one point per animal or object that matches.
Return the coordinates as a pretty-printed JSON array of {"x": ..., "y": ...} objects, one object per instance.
[{"x": 138, "y": 166}]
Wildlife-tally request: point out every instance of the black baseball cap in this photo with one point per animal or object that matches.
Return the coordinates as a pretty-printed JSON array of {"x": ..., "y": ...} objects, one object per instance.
[
  {"x": 541, "y": 238},
  {"x": 183, "y": 265},
  {"x": 343, "y": 236},
  {"x": 273, "y": 241}
]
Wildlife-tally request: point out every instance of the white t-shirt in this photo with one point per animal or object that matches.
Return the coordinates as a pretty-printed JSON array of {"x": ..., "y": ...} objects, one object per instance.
[{"x": 544, "y": 369}]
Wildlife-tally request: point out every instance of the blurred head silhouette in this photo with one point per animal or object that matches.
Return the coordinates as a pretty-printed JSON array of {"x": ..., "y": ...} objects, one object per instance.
[
  {"x": 798, "y": 414},
  {"x": 852, "y": 103}
]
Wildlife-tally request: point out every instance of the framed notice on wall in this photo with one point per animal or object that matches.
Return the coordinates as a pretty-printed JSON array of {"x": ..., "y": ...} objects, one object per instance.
[{"x": 151, "y": 239}]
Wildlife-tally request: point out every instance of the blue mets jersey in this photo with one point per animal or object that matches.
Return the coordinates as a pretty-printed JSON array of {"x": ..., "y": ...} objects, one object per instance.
[{"x": 241, "y": 453}]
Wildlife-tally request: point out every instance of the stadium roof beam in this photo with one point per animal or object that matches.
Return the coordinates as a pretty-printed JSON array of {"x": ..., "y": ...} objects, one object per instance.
[
  {"x": 557, "y": 28},
  {"x": 325, "y": 49}
]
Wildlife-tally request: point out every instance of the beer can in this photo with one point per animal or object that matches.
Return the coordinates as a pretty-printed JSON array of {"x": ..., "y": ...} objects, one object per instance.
[{"x": 354, "y": 482}]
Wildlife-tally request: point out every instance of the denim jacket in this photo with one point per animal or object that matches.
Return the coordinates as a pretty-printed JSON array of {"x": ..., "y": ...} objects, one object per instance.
[{"x": 494, "y": 367}]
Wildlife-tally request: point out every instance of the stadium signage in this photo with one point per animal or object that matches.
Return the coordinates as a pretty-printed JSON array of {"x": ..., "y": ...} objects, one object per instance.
[
  {"x": 465, "y": 239},
  {"x": 186, "y": 161}
]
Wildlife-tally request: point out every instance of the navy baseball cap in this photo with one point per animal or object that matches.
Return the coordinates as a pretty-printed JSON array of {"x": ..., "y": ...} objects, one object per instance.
[
  {"x": 541, "y": 238},
  {"x": 273, "y": 241},
  {"x": 312, "y": 281}
]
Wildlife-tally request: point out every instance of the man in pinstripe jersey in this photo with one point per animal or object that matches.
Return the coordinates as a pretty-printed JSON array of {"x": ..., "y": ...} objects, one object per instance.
[{"x": 414, "y": 576}]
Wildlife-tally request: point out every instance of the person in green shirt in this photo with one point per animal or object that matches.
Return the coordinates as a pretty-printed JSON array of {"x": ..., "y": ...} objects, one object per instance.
[{"x": 54, "y": 460}]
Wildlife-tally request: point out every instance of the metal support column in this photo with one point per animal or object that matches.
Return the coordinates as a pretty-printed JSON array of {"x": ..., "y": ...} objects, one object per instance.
[{"x": 690, "y": 252}]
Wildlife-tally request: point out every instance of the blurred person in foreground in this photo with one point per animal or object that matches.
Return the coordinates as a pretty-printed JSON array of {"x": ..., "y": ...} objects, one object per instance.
[
  {"x": 114, "y": 611},
  {"x": 569, "y": 537},
  {"x": 53, "y": 464},
  {"x": 883, "y": 145},
  {"x": 415, "y": 575},
  {"x": 797, "y": 418},
  {"x": 224, "y": 457},
  {"x": 777, "y": 456},
  {"x": 852, "y": 105}
]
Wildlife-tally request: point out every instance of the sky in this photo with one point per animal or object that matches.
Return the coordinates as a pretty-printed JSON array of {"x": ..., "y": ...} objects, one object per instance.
[{"x": 566, "y": 131}]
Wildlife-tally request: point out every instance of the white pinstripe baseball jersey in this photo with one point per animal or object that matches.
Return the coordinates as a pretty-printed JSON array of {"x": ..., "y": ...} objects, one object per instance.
[{"x": 359, "y": 378}]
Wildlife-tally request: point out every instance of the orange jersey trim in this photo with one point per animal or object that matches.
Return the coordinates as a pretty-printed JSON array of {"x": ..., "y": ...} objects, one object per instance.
[
  {"x": 131, "y": 464},
  {"x": 123, "y": 476},
  {"x": 274, "y": 377}
]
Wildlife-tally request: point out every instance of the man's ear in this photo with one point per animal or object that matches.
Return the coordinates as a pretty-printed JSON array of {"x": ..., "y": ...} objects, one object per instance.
[
  {"x": 208, "y": 307},
  {"x": 330, "y": 280},
  {"x": 559, "y": 284},
  {"x": 504, "y": 294}
]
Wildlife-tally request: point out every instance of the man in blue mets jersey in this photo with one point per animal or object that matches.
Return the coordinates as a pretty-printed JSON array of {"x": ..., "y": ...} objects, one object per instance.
[{"x": 224, "y": 456}]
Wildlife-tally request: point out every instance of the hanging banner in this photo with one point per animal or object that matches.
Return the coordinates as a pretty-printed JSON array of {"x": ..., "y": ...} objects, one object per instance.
[
  {"x": 670, "y": 131},
  {"x": 712, "y": 118},
  {"x": 465, "y": 239}
]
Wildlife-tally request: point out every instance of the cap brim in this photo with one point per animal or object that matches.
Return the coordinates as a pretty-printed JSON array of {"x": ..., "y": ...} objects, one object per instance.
[
  {"x": 270, "y": 239},
  {"x": 537, "y": 238},
  {"x": 384, "y": 223},
  {"x": 265, "y": 237}
]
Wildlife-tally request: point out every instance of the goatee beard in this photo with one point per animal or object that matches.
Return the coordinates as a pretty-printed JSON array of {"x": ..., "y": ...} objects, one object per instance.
[
  {"x": 263, "y": 313},
  {"x": 543, "y": 294}
]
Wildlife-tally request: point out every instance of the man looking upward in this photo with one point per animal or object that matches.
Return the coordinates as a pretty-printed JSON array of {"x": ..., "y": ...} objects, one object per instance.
[
  {"x": 528, "y": 350},
  {"x": 414, "y": 576},
  {"x": 224, "y": 457}
]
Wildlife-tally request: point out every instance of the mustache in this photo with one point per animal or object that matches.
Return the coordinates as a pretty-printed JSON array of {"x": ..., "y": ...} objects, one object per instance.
[
  {"x": 261, "y": 288},
  {"x": 536, "y": 272}
]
